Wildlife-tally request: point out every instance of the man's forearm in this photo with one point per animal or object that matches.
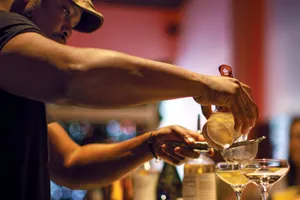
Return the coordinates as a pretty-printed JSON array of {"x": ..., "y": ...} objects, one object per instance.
[
  {"x": 91, "y": 77},
  {"x": 96, "y": 165},
  {"x": 113, "y": 79}
]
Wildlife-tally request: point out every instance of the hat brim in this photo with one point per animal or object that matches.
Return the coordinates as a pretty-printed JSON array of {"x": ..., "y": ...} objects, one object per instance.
[{"x": 90, "y": 20}]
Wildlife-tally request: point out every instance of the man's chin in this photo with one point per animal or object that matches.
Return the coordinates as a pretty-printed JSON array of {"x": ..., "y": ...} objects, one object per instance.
[{"x": 59, "y": 40}]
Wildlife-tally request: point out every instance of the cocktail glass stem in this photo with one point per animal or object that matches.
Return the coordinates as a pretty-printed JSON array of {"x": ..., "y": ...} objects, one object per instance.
[
  {"x": 238, "y": 195},
  {"x": 238, "y": 191},
  {"x": 264, "y": 191}
]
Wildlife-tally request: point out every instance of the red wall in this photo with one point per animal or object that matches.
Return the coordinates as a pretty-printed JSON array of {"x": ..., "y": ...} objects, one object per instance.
[
  {"x": 134, "y": 30},
  {"x": 212, "y": 33},
  {"x": 249, "y": 47},
  {"x": 205, "y": 42}
]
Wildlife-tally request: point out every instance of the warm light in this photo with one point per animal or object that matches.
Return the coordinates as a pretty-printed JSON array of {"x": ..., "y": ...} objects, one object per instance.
[
  {"x": 200, "y": 160},
  {"x": 200, "y": 170},
  {"x": 163, "y": 197},
  {"x": 147, "y": 166}
]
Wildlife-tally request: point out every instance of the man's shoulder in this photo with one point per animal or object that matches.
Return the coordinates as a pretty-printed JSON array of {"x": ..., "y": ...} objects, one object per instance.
[
  {"x": 9, "y": 18},
  {"x": 12, "y": 24}
]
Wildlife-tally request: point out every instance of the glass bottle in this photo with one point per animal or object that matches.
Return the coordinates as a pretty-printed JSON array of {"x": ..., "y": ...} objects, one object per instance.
[
  {"x": 145, "y": 180},
  {"x": 220, "y": 125},
  {"x": 169, "y": 186},
  {"x": 199, "y": 181}
]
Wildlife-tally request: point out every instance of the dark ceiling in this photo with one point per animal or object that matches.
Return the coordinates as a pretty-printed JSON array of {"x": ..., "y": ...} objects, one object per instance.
[{"x": 156, "y": 3}]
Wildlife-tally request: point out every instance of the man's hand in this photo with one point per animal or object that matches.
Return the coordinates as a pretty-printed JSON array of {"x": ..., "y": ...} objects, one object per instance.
[
  {"x": 177, "y": 155},
  {"x": 229, "y": 92}
]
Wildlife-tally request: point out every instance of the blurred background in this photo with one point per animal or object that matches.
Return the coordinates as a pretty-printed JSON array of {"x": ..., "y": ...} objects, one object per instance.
[{"x": 260, "y": 39}]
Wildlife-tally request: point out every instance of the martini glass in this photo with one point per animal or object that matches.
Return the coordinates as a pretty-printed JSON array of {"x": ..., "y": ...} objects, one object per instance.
[
  {"x": 264, "y": 173},
  {"x": 230, "y": 173}
]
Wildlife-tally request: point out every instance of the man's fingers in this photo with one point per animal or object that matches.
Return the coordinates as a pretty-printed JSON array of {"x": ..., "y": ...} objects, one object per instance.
[
  {"x": 251, "y": 109},
  {"x": 190, "y": 153},
  {"x": 187, "y": 135},
  {"x": 256, "y": 111},
  {"x": 206, "y": 110},
  {"x": 210, "y": 152},
  {"x": 248, "y": 110},
  {"x": 244, "y": 109},
  {"x": 167, "y": 154},
  {"x": 169, "y": 150},
  {"x": 238, "y": 123},
  {"x": 248, "y": 91},
  {"x": 246, "y": 88}
]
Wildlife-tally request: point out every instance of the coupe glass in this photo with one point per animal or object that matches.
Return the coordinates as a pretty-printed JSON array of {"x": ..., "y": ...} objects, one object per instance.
[
  {"x": 230, "y": 173},
  {"x": 265, "y": 173}
]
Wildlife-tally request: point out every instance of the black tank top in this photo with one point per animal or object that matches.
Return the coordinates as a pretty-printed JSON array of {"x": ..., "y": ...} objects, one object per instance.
[{"x": 24, "y": 172}]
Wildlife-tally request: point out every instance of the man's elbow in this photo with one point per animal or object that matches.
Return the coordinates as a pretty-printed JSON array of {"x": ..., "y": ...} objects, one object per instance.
[
  {"x": 81, "y": 177},
  {"x": 76, "y": 179}
]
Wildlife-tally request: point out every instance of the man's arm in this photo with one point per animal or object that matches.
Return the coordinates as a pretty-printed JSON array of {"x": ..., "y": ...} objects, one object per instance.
[
  {"x": 36, "y": 67},
  {"x": 94, "y": 165}
]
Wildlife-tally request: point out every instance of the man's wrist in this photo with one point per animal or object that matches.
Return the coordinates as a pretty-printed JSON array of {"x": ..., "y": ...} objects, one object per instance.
[{"x": 151, "y": 145}]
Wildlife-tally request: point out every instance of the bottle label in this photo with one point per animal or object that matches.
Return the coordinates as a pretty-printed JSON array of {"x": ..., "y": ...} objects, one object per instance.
[
  {"x": 200, "y": 187},
  {"x": 145, "y": 186}
]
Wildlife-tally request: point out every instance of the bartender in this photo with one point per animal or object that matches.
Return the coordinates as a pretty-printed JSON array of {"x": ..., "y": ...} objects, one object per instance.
[{"x": 36, "y": 67}]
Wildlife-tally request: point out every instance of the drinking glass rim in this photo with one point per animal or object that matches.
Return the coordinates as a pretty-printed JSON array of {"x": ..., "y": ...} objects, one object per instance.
[
  {"x": 219, "y": 165},
  {"x": 269, "y": 159},
  {"x": 265, "y": 161},
  {"x": 227, "y": 163}
]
